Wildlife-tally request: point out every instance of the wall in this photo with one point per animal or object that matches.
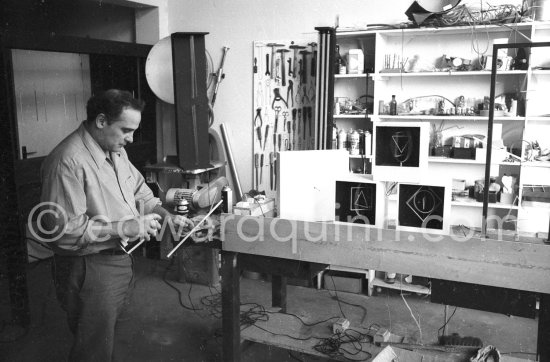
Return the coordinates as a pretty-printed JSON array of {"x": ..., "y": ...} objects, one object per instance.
[{"x": 238, "y": 23}]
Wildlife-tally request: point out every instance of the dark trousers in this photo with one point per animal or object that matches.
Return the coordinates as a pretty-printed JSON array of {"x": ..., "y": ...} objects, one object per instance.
[{"x": 92, "y": 289}]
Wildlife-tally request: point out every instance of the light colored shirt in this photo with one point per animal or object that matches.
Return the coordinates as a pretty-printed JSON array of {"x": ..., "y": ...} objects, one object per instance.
[{"x": 91, "y": 186}]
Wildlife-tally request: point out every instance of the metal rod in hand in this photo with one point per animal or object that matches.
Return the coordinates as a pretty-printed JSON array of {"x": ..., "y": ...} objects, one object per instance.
[{"x": 194, "y": 229}]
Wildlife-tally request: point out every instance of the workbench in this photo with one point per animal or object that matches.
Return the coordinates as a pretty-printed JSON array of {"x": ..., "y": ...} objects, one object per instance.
[{"x": 289, "y": 248}]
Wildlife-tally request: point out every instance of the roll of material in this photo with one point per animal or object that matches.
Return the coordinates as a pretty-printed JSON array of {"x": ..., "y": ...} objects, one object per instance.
[
  {"x": 231, "y": 160},
  {"x": 538, "y": 10}
]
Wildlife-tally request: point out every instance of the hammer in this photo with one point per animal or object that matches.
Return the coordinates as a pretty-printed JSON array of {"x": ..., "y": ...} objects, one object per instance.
[
  {"x": 303, "y": 78},
  {"x": 295, "y": 48},
  {"x": 282, "y": 52},
  {"x": 273, "y": 46},
  {"x": 313, "y": 59}
]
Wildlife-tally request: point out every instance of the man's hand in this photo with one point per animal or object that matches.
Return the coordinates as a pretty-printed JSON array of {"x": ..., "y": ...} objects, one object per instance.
[
  {"x": 181, "y": 224},
  {"x": 142, "y": 227}
]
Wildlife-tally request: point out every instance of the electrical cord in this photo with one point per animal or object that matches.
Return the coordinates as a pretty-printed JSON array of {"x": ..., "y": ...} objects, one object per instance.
[
  {"x": 446, "y": 322},
  {"x": 180, "y": 296}
]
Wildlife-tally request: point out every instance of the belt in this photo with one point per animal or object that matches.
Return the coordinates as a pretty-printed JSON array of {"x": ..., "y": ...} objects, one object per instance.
[{"x": 112, "y": 252}]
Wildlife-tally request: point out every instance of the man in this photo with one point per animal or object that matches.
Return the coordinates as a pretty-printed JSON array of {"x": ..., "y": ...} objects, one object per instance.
[{"x": 98, "y": 202}]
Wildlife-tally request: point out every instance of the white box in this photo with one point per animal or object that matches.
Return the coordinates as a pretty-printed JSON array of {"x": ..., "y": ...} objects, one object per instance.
[{"x": 356, "y": 61}]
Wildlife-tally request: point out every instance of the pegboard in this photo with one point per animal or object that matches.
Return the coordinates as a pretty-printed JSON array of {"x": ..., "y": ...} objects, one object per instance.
[{"x": 284, "y": 99}]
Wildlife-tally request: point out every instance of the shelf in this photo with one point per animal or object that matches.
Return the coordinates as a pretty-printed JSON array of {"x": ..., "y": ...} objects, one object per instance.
[
  {"x": 352, "y": 76},
  {"x": 468, "y": 202},
  {"x": 541, "y": 164},
  {"x": 451, "y": 73},
  {"x": 537, "y": 118},
  {"x": 361, "y": 116},
  {"x": 468, "y": 161},
  {"x": 351, "y": 32},
  {"x": 540, "y": 72},
  {"x": 360, "y": 156},
  {"x": 406, "y": 287},
  {"x": 462, "y": 118}
]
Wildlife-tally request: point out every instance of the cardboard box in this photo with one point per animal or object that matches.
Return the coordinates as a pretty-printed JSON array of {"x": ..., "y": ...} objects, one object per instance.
[{"x": 255, "y": 208}]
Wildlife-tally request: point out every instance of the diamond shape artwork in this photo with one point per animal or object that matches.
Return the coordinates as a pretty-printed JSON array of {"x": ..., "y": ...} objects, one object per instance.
[{"x": 421, "y": 206}]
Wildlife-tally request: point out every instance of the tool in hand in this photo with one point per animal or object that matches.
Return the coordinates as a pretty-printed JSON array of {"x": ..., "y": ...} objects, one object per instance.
[
  {"x": 283, "y": 72},
  {"x": 303, "y": 72},
  {"x": 273, "y": 46},
  {"x": 265, "y": 135},
  {"x": 290, "y": 92},
  {"x": 296, "y": 48},
  {"x": 277, "y": 111},
  {"x": 261, "y": 168},
  {"x": 257, "y": 166},
  {"x": 271, "y": 169},
  {"x": 277, "y": 98}
]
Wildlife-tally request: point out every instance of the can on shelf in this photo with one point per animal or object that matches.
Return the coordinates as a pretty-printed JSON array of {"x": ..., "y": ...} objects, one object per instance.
[
  {"x": 342, "y": 139},
  {"x": 227, "y": 197},
  {"x": 353, "y": 143}
]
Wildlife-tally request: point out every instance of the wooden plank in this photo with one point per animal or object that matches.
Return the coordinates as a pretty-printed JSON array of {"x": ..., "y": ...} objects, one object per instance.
[
  {"x": 287, "y": 332},
  {"x": 515, "y": 265}
]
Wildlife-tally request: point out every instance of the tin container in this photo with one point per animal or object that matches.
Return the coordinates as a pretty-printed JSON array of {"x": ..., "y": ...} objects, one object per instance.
[
  {"x": 353, "y": 143},
  {"x": 341, "y": 139},
  {"x": 227, "y": 197}
]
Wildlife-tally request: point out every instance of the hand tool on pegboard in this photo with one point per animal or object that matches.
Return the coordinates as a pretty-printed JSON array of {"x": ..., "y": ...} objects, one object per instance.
[
  {"x": 273, "y": 46},
  {"x": 257, "y": 169},
  {"x": 295, "y": 48},
  {"x": 282, "y": 53},
  {"x": 313, "y": 69},
  {"x": 277, "y": 98},
  {"x": 265, "y": 135},
  {"x": 303, "y": 72},
  {"x": 290, "y": 93},
  {"x": 271, "y": 170}
]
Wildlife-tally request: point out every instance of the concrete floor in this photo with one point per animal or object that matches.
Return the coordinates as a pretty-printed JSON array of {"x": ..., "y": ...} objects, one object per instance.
[{"x": 156, "y": 327}]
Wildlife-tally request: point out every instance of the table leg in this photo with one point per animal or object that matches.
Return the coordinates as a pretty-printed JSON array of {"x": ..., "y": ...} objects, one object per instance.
[
  {"x": 230, "y": 307},
  {"x": 278, "y": 292},
  {"x": 543, "y": 347}
]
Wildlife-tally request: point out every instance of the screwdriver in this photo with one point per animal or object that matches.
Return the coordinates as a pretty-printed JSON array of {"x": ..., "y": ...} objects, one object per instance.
[
  {"x": 256, "y": 166},
  {"x": 261, "y": 167},
  {"x": 265, "y": 135}
]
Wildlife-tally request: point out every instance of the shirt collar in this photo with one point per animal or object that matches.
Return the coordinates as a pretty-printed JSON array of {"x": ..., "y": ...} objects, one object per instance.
[{"x": 98, "y": 154}]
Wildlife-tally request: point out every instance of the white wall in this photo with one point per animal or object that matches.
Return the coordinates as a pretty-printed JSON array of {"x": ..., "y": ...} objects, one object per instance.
[{"x": 237, "y": 23}]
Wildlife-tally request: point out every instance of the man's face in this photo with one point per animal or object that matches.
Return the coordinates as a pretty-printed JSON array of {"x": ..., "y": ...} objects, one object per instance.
[{"x": 120, "y": 132}]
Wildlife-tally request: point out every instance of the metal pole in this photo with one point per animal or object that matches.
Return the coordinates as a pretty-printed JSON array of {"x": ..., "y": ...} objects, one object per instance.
[{"x": 230, "y": 159}]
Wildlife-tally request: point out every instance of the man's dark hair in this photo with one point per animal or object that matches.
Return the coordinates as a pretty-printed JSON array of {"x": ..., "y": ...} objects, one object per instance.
[{"x": 111, "y": 103}]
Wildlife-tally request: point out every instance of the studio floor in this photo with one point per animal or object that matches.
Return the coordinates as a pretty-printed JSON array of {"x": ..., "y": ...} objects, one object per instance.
[{"x": 156, "y": 327}]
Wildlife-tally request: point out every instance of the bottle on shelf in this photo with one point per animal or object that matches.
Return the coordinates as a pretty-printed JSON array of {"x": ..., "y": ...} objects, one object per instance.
[{"x": 393, "y": 106}]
